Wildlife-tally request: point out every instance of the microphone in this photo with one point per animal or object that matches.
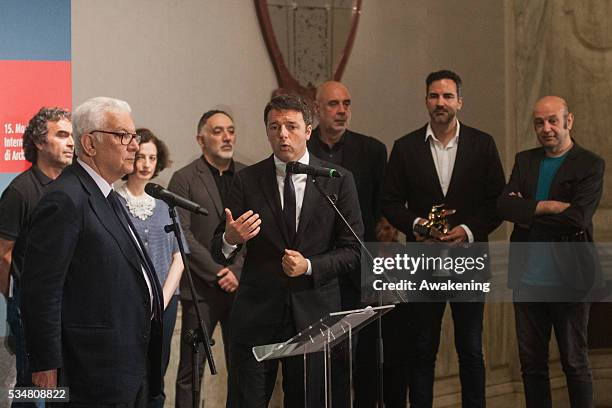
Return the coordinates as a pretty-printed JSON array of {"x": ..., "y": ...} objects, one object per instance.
[
  {"x": 299, "y": 168},
  {"x": 173, "y": 200}
]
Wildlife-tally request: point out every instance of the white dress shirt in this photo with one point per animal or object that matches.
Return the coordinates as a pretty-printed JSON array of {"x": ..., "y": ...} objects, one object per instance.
[
  {"x": 299, "y": 184},
  {"x": 106, "y": 188},
  {"x": 444, "y": 160}
]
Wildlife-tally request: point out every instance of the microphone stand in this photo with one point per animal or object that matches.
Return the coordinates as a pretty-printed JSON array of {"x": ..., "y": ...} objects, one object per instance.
[
  {"x": 198, "y": 335},
  {"x": 380, "y": 352}
]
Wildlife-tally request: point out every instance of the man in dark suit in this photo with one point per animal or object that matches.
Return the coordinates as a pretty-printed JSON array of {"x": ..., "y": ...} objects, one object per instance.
[
  {"x": 553, "y": 192},
  {"x": 445, "y": 162},
  {"x": 364, "y": 156},
  {"x": 206, "y": 181},
  {"x": 92, "y": 304},
  {"x": 366, "y": 159},
  {"x": 296, "y": 248}
]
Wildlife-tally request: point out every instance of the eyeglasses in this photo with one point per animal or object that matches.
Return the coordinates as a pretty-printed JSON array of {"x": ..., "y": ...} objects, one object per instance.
[{"x": 126, "y": 137}]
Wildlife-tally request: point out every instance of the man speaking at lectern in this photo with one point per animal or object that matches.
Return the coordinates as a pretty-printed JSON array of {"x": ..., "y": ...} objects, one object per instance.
[{"x": 296, "y": 248}]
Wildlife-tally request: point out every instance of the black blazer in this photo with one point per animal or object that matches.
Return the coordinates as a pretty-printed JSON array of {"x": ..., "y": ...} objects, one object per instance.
[
  {"x": 366, "y": 158},
  {"x": 265, "y": 290},
  {"x": 411, "y": 183},
  {"x": 196, "y": 183},
  {"x": 86, "y": 305},
  {"x": 579, "y": 181}
]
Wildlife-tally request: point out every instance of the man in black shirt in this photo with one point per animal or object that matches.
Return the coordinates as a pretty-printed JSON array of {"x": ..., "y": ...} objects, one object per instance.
[
  {"x": 48, "y": 145},
  {"x": 366, "y": 158},
  {"x": 363, "y": 155},
  {"x": 206, "y": 181}
]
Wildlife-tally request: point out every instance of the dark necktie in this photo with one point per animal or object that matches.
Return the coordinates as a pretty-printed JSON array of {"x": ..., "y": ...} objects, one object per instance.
[
  {"x": 115, "y": 203},
  {"x": 289, "y": 206}
]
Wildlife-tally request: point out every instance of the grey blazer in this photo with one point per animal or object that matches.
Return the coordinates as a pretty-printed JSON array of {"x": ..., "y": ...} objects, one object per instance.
[{"x": 196, "y": 183}]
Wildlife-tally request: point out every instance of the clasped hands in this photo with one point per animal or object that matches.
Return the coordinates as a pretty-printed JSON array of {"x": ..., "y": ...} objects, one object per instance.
[
  {"x": 456, "y": 235},
  {"x": 247, "y": 226}
]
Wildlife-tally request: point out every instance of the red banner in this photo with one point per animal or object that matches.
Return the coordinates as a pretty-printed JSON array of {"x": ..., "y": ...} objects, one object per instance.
[{"x": 23, "y": 86}]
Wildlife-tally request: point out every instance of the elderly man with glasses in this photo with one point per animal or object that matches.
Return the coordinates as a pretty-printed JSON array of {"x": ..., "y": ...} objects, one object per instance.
[{"x": 92, "y": 303}]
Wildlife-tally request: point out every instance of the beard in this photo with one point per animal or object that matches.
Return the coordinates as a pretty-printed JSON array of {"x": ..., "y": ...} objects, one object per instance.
[
  {"x": 225, "y": 154},
  {"x": 442, "y": 116}
]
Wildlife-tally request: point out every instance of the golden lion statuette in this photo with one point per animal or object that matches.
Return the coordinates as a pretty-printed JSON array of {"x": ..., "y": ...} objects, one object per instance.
[{"x": 436, "y": 225}]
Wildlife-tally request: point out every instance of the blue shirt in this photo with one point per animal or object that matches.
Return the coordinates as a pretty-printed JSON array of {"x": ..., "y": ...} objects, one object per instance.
[
  {"x": 540, "y": 270},
  {"x": 160, "y": 245}
]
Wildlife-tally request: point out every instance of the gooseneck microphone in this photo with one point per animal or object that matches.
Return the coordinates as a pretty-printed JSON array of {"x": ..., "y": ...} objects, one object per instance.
[
  {"x": 299, "y": 168},
  {"x": 172, "y": 199}
]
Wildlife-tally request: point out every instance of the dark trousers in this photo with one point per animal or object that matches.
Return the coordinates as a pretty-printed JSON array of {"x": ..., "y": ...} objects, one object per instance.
[
  {"x": 169, "y": 322},
  {"x": 141, "y": 401},
  {"x": 15, "y": 324},
  {"x": 215, "y": 309},
  {"x": 534, "y": 322},
  {"x": 251, "y": 383},
  {"x": 467, "y": 321},
  {"x": 398, "y": 343}
]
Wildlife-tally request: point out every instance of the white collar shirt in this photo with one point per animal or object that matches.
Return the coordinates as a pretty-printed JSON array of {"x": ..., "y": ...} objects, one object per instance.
[
  {"x": 443, "y": 156},
  {"x": 299, "y": 183},
  {"x": 444, "y": 160}
]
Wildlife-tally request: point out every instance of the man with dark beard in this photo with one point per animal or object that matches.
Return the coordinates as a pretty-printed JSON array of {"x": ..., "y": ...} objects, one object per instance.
[
  {"x": 444, "y": 162},
  {"x": 206, "y": 181}
]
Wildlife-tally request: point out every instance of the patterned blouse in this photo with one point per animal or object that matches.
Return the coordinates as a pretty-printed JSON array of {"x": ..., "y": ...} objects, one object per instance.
[{"x": 149, "y": 217}]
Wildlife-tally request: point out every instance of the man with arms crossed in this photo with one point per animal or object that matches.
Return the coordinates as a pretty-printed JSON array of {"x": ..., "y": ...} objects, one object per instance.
[
  {"x": 296, "y": 248},
  {"x": 553, "y": 192},
  {"x": 92, "y": 304}
]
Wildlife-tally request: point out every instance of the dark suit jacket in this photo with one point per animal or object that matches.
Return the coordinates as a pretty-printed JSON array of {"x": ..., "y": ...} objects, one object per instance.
[
  {"x": 579, "y": 181},
  {"x": 196, "y": 183},
  {"x": 265, "y": 290},
  {"x": 366, "y": 158},
  {"x": 411, "y": 183},
  {"x": 86, "y": 306}
]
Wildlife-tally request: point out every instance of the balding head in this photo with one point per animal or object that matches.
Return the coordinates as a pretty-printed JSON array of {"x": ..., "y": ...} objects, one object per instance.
[
  {"x": 330, "y": 87},
  {"x": 552, "y": 122},
  {"x": 552, "y": 101},
  {"x": 333, "y": 109}
]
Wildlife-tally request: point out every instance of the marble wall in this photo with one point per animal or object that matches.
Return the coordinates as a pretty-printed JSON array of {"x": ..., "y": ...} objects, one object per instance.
[{"x": 564, "y": 47}]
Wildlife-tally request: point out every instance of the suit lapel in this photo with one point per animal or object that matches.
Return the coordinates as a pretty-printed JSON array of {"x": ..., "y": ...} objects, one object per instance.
[
  {"x": 462, "y": 159},
  {"x": 351, "y": 151},
  {"x": 105, "y": 214},
  {"x": 270, "y": 188},
  {"x": 533, "y": 173},
  {"x": 211, "y": 186},
  {"x": 565, "y": 167},
  {"x": 429, "y": 167}
]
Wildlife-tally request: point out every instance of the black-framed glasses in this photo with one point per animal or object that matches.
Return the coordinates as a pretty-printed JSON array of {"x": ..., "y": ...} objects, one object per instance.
[{"x": 126, "y": 137}]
